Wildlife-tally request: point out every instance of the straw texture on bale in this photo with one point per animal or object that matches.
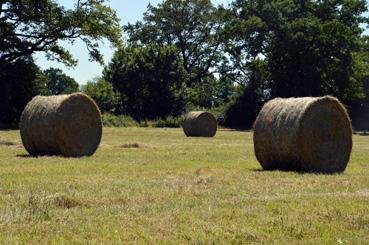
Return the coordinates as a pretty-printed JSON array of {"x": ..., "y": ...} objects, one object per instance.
[
  {"x": 309, "y": 134},
  {"x": 200, "y": 124},
  {"x": 68, "y": 125}
]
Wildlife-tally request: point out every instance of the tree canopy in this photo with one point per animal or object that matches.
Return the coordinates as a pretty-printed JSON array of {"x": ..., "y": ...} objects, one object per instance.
[
  {"x": 191, "y": 25},
  {"x": 29, "y": 26},
  {"x": 19, "y": 82},
  {"x": 307, "y": 45},
  {"x": 149, "y": 80},
  {"x": 191, "y": 54},
  {"x": 103, "y": 94},
  {"x": 60, "y": 83}
]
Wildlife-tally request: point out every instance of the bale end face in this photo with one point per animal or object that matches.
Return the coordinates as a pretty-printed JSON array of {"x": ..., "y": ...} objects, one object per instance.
[
  {"x": 303, "y": 134},
  {"x": 68, "y": 125},
  {"x": 200, "y": 124},
  {"x": 325, "y": 136},
  {"x": 81, "y": 130}
]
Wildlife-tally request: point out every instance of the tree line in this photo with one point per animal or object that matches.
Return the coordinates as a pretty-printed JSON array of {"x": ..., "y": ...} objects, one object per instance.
[{"x": 191, "y": 54}]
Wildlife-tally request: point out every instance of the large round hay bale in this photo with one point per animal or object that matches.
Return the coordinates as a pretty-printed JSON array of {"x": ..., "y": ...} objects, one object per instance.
[
  {"x": 303, "y": 134},
  {"x": 200, "y": 124},
  {"x": 68, "y": 125}
]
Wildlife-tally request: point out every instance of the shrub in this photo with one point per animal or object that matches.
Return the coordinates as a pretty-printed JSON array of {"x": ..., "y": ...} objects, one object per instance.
[
  {"x": 111, "y": 120},
  {"x": 168, "y": 122}
]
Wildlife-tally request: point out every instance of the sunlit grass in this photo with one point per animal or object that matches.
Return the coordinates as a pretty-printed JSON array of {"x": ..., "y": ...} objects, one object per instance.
[{"x": 156, "y": 185}]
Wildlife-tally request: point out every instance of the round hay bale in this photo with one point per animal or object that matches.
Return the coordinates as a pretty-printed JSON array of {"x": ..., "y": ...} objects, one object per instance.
[
  {"x": 200, "y": 124},
  {"x": 68, "y": 125},
  {"x": 303, "y": 134}
]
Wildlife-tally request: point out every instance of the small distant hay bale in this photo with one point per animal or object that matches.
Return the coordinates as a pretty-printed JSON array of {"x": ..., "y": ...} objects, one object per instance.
[
  {"x": 200, "y": 124},
  {"x": 68, "y": 125},
  {"x": 303, "y": 134}
]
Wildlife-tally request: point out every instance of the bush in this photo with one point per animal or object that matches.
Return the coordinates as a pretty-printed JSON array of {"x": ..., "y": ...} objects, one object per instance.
[
  {"x": 111, "y": 120},
  {"x": 169, "y": 122},
  {"x": 104, "y": 95},
  {"x": 144, "y": 124}
]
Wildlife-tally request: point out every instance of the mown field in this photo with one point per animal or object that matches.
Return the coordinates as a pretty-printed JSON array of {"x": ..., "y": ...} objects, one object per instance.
[{"x": 147, "y": 185}]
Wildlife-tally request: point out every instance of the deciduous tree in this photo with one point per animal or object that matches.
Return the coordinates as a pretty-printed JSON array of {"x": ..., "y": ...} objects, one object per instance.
[
  {"x": 29, "y": 26},
  {"x": 307, "y": 45},
  {"x": 60, "y": 83},
  {"x": 149, "y": 79},
  {"x": 191, "y": 25},
  {"x": 19, "y": 82}
]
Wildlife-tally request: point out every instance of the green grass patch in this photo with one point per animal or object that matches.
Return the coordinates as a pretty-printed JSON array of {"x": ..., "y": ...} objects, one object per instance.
[{"x": 150, "y": 185}]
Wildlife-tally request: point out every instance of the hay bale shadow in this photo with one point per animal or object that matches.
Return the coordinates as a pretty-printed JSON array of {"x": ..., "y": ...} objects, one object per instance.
[
  {"x": 298, "y": 171},
  {"x": 38, "y": 156},
  {"x": 235, "y": 130},
  {"x": 25, "y": 156}
]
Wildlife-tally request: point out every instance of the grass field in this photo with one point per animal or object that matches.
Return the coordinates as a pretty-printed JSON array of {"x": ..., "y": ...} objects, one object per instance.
[{"x": 148, "y": 185}]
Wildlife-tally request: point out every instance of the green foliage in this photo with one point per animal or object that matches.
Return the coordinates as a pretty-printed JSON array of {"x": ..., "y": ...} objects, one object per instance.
[
  {"x": 149, "y": 79},
  {"x": 168, "y": 122},
  {"x": 111, "y": 120},
  {"x": 144, "y": 123},
  {"x": 243, "y": 109},
  {"x": 210, "y": 92},
  {"x": 245, "y": 105},
  {"x": 19, "y": 82},
  {"x": 191, "y": 25},
  {"x": 359, "y": 108},
  {"x": 60, "y": 83},
  {"x": 104, "y": 95},
  {"x": 307, "y": 45},
  {"x": 189, "y": 54},
  {"x": 361, "y": 64},
  {"x": 29, "y": 26}
]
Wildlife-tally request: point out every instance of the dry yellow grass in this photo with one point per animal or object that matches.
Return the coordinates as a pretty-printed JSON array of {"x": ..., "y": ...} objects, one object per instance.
[{"x": 177, "y": 190}]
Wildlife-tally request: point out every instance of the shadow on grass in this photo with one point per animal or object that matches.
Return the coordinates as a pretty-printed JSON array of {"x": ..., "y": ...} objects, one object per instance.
[
  {"x": 45, "y": 156},
  {"x": 25, "y": 156},
  {"x": 235, "y": 130},
  {"x": 298, "y": 171}
]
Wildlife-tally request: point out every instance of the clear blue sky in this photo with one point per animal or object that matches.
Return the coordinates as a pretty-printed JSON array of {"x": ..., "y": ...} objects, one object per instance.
[{"x": 128, "y": 11}]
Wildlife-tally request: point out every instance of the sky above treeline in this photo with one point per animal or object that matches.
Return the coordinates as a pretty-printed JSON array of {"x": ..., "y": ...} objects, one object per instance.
[{"x": 129, "y": 11}]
